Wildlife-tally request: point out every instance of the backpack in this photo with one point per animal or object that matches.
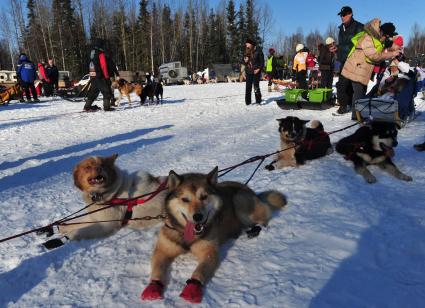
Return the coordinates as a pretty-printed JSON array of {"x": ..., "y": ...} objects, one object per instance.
[
  {"x": 92, "y": 69},
  {"x": 310, "y": 60}
]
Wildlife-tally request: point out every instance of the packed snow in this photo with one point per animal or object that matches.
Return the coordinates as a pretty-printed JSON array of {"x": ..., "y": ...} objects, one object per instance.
[{"x": 340, "y": 242}]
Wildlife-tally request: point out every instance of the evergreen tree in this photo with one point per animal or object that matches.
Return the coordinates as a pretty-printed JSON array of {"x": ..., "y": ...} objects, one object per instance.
[{"x": 232, "y": 33}]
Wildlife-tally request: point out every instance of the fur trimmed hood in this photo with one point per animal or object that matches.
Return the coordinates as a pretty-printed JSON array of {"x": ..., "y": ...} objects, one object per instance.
[{"x": 373, "y": 28}]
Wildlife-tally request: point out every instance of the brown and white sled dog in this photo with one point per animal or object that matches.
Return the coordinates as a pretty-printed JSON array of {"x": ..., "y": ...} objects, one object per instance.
[
  {"x": 100, "y": 181},
  {"x": 126, "y": 88},
  {"x": 303, "y": 143},
  {"x": 201, "y": 215}
]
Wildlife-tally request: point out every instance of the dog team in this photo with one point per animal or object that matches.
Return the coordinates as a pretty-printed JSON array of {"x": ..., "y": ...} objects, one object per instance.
[{"x": 200, "y": 213}]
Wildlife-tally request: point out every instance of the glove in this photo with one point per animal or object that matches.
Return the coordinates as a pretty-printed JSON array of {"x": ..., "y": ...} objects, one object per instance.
[
  {"x": 192, "y": 292},
  {"x": 269, "y": 167},
  {"x": 153, "y": 291}
]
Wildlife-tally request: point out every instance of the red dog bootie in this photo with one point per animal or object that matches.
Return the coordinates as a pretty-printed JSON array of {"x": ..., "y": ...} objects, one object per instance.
[
  {"x": 153, "y": 291},
  {"x": 192, "y": 292}
]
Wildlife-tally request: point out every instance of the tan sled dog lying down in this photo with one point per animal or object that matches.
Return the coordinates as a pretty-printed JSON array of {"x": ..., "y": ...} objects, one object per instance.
[
  {"x": 100, "y": 181},
  {"x": 202, "y": 214}
]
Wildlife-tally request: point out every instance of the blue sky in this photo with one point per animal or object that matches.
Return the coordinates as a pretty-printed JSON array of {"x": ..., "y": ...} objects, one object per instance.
[{"x": 317, "y": 14}]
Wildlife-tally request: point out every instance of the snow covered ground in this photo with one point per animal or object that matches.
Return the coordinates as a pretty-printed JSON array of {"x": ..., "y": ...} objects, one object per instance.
[{"x": 339, "y": 243}]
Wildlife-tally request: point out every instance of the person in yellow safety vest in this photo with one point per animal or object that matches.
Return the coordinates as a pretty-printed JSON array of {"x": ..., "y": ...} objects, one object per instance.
[
  {"x": 271, "y": 68},
  {"x": 300, "y": 68},
  {"x": 368, "y": 50}
]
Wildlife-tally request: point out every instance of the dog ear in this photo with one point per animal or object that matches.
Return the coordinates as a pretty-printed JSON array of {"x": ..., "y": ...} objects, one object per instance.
[
  {"x": 174, "y": 180},
  {"x": 213, "y": 176},
  {"x": 111, "y": 159},
  {"x": 76, "y": 176},
  {"x": 305, "y": 121}
]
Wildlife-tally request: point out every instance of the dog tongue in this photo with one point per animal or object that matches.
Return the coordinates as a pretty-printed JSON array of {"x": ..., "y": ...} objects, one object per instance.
[{"x": 189, "y": 231}]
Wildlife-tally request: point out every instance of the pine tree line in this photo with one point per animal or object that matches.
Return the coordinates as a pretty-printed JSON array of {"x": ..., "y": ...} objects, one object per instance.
[{"x": 140, "y": 35}]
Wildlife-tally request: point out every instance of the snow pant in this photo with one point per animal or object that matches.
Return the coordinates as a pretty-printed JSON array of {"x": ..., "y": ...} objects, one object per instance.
[
  {"x": 344, "y": 91},
  {"x": 48, "y": 88},
  {"x": 99, "y": 86},
  {"x": 28, "y": 89},
  {"x": 326, "y": 79},
  {"x": 253, "y": 79},
  {"x": 359, "y": 92},
  {"x": 301, "y": 78}
]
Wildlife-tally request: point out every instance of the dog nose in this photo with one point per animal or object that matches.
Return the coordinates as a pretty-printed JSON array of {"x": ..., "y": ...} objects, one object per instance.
[
  {"x": 395, "y": 143},
  {"x": 198, "y": 217}
]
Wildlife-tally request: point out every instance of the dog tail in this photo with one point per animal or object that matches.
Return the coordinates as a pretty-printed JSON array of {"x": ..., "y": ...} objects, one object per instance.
[
  {"x": 316, "y": 124},
  {"x": 275, "y": 199}
]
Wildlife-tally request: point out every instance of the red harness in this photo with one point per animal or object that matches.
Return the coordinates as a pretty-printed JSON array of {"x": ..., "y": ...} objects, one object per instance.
[{"x": 132, "y": 202}]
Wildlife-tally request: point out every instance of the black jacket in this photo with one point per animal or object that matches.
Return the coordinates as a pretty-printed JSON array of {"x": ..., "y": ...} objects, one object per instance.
[
  {"x": 326, "y": 59},
  {"x": 52, "y": 73},
  {"x": 345, "y": 35},
  {"x": 94, "y": 57},
  {"x": 255, "y": 61}
]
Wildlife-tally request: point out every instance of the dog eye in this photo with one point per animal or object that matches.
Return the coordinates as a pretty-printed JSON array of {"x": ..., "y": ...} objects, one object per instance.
[
  {"x": 203, "y": 197},
  {"x": 87, "y": 168},
  {"x": 185, "y": 200}
]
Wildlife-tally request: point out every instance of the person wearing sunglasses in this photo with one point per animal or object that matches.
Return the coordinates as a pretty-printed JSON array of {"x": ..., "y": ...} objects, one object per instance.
[{"x": 348, "y": 28}]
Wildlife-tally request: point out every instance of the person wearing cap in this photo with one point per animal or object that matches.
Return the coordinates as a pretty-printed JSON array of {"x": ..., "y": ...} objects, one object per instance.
[
  {"x": 101, "y": 69},
  {"x": 254, "y": 63},
  {"x": 300, "y": 68},
  {"x": 26, "y": 75},
  {"x": 368, "y": 50},
  {"x": 348, "y": 28},
  {"x": 271, "y": 68},
  {"x": 326, "y": 62}
]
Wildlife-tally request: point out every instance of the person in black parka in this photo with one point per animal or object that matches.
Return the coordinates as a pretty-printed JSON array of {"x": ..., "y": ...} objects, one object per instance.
[
  {"x": 348, "y": 28},
  {"x": 101, "y": 69},
  {"x": 254, "y": 63}
]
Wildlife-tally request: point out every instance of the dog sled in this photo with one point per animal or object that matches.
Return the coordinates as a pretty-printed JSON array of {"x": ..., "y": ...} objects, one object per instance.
[
  {"x": 398, "y": 107},
  {"x": 75, "y": 94},
  {"x": 317, "y": 99}
]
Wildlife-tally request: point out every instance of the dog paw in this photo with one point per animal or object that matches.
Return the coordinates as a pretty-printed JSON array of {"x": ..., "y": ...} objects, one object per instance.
[
  {"x": 406, "y": 178},
  {"x": 55, "y": 243},
  {"x": 47, "y": 231},
  {"x": 153, "y": 291},
  {"x": 269, "y": 167},
  {"x": 253, "y": 232},
  {"x": 370, "y": 179},
  {"x": 192, "y": 292}
]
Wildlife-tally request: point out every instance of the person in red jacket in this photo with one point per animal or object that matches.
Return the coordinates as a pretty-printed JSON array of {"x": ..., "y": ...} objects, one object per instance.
[{"x": 101, "y": 69}]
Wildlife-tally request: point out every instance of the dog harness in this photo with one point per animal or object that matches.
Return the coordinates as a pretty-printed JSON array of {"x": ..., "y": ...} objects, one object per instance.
[{"x": 132, "y": 202}]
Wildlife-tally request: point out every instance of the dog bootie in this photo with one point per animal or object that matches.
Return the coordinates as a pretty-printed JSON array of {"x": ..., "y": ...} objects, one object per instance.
[
  {"x": 153, "y": 291},
  {"x": 192, "y": 292}
]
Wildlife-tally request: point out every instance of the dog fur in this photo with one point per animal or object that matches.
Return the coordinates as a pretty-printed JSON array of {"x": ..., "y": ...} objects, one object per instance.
[
  {"x": 151, "y": 90},
  {"x": 201, "y": 215},
  {"x": 303, "y": 143},
  {"x": 13, "y": 92},
  {"x": 99, "y": 178},
  {"x": 126, "y": 88},
  {"x": 372, "y": 145}
]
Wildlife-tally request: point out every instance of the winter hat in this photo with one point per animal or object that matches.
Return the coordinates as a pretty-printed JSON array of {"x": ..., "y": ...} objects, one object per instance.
[
  {"x": 329, "y": 41},
  {"x": 299, "y": 47},
  {"x": 250, "y": 41},
  {"x": 272, "y": 51},
  {"x": 23, "y": 57},
  {"x": 398, "y": 40},
  {"x": 388, "y": 29}
]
